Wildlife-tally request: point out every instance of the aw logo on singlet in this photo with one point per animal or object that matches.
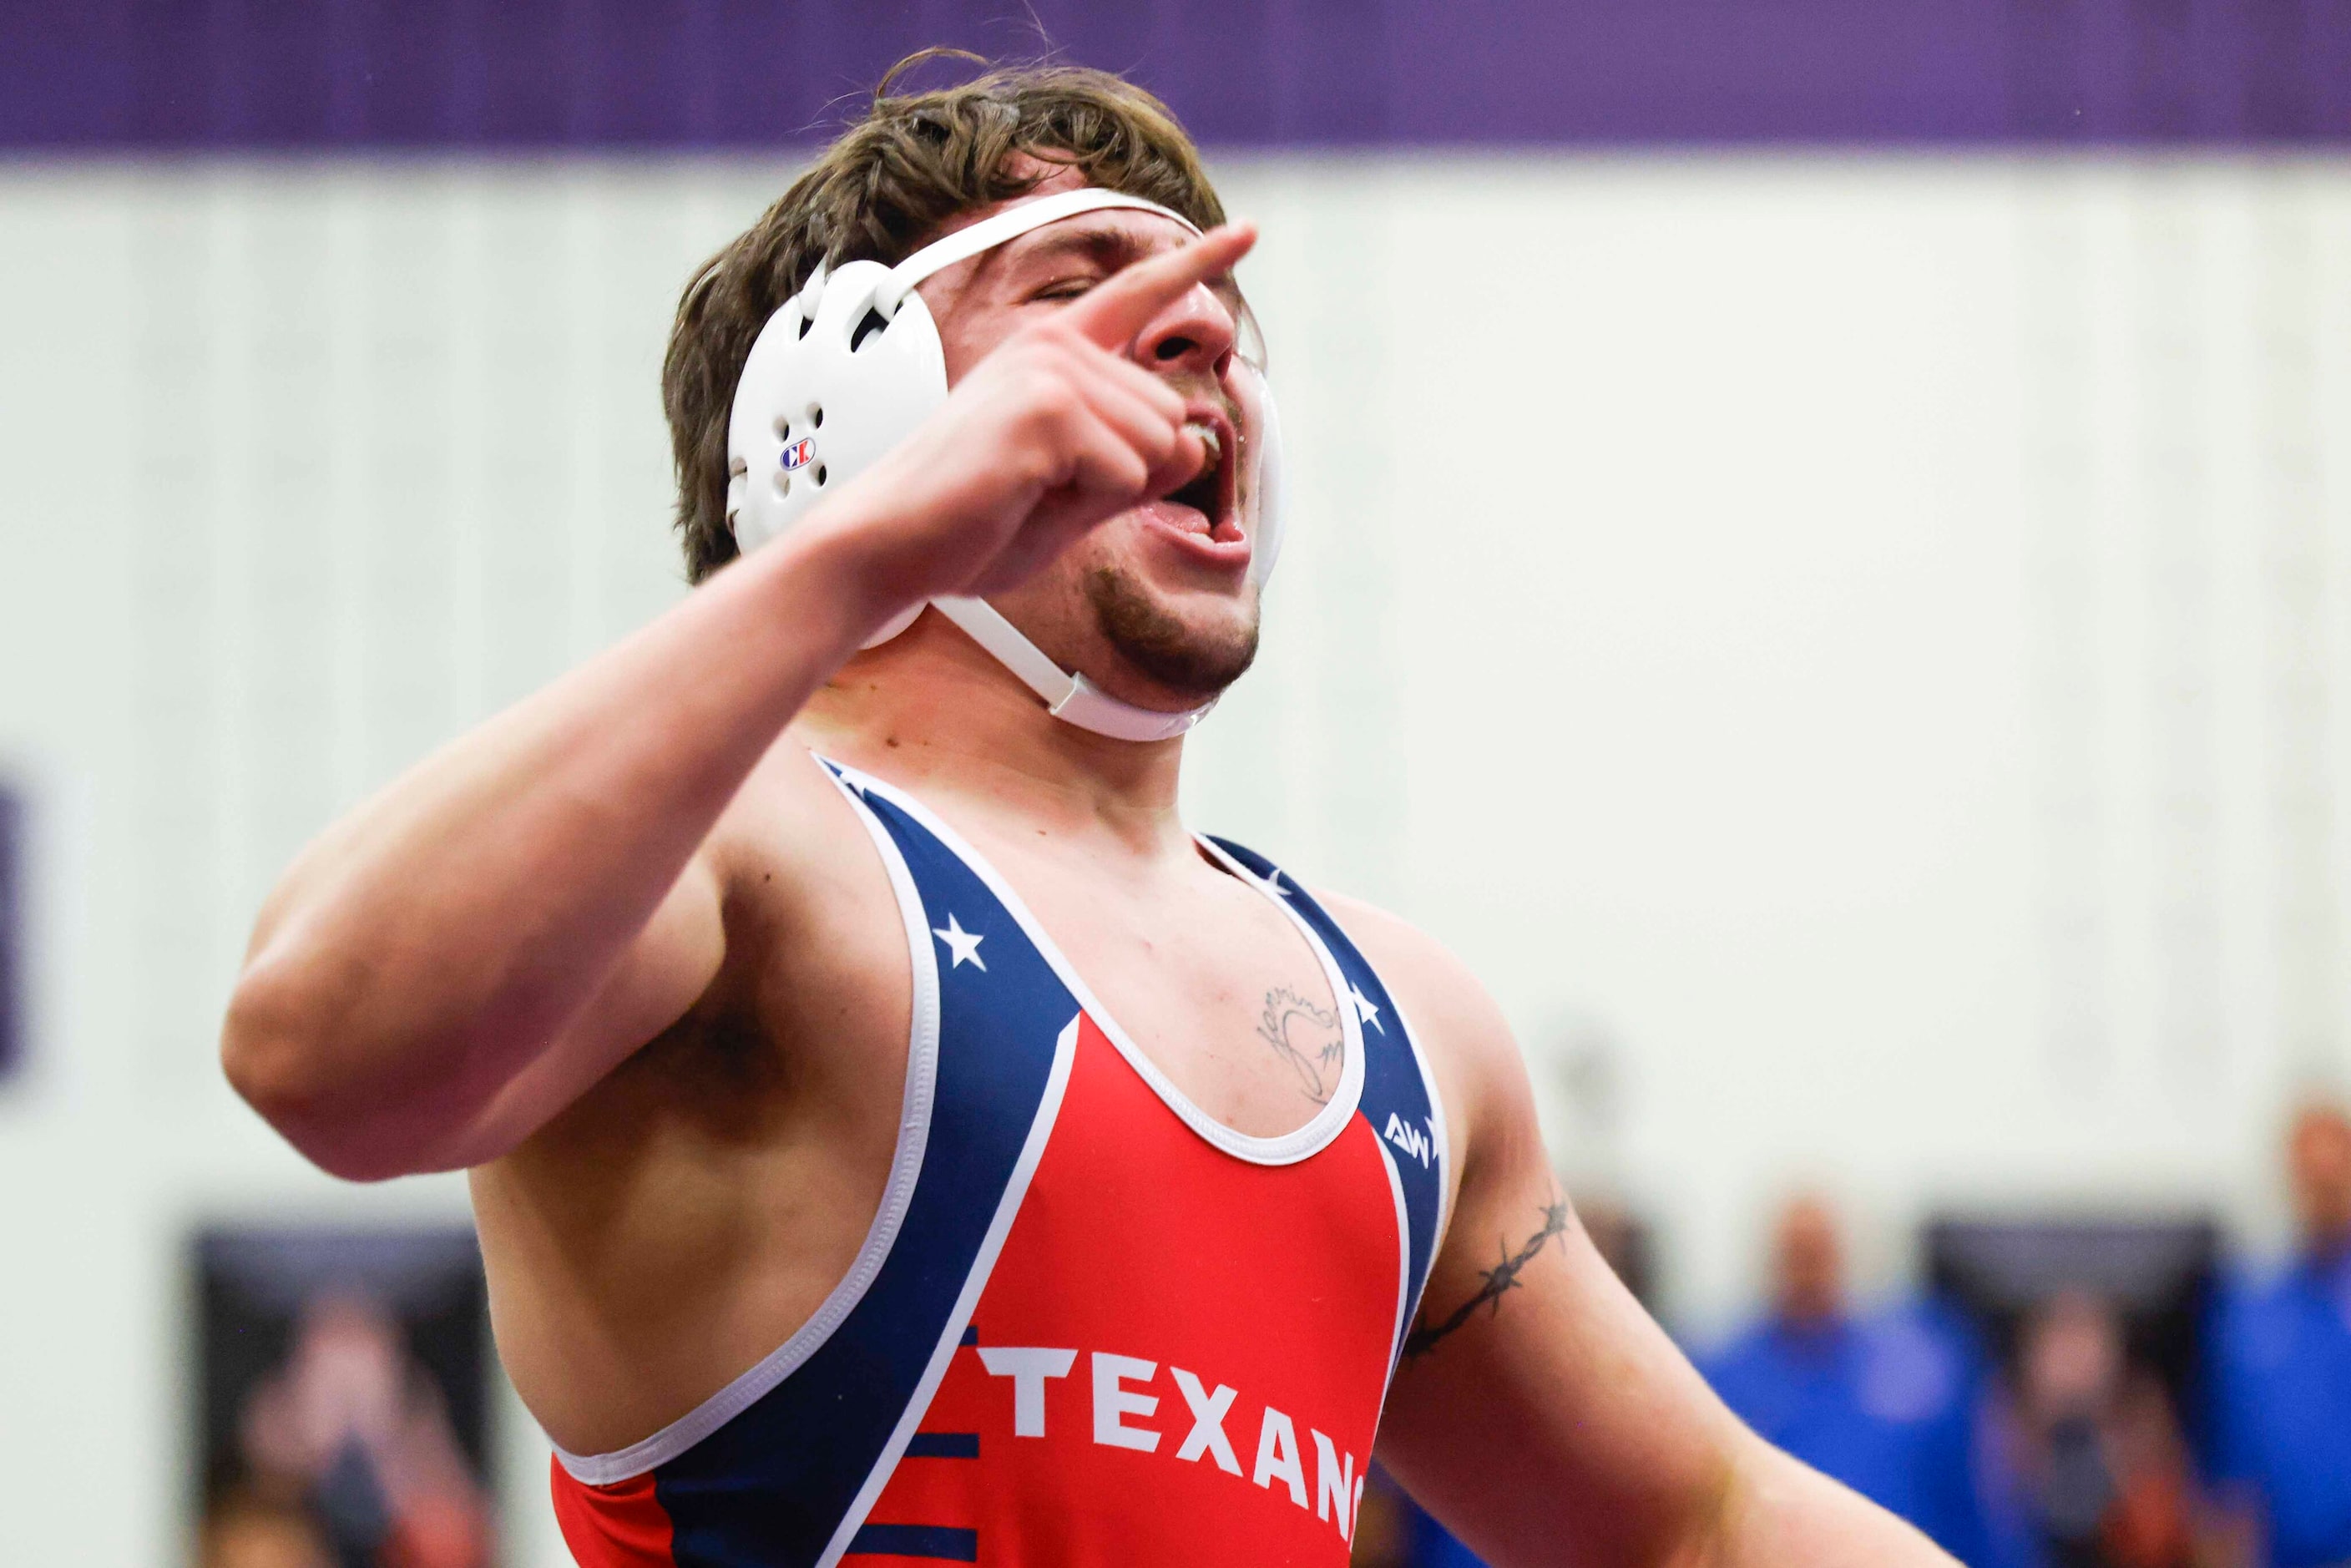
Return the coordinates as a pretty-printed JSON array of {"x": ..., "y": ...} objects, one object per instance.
[
  {"x": 1420, "y": 1144},
  {"x": 1119, "y": 1404}
]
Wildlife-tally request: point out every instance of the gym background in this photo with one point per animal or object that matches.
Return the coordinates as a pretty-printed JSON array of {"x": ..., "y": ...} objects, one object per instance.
[{"x": 1820, "y": 567}]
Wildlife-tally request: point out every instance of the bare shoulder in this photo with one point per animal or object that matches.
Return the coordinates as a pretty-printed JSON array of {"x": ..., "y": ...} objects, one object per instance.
[
  {"x": 790, "y": 808},
  {"x": 1456, "y": 1019},
  {"x": 810, "y": 917},
  {"x": 794, "y": 859},
  {"x": 1443, "y": 997}
]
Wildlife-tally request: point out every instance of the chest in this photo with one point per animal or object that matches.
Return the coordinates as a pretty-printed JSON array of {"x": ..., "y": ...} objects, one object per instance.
[
  {"x": 1202, "y": 971},
  {"x": 1088, "y": 1314}
]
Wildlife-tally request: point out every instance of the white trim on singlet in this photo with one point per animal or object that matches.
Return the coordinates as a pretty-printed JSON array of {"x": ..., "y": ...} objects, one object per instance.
[
  {"x": 1404, "y": 1261},
  {"x": 975, "y": 1281},
  {"x": 905, "y": 1170},
  {"x": 1287, "y": 1148}
]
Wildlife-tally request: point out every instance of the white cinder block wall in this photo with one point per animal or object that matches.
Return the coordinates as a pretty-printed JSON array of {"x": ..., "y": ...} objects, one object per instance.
[{"x": 1853, "y": 651}]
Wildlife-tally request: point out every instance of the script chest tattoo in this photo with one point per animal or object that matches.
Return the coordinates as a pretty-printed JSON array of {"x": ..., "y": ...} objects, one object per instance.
[{"x": 1310, "y": 1039}]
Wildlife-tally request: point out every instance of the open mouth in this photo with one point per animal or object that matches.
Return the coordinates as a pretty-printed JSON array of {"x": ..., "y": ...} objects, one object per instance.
[{"x": 1210, "y": 492}]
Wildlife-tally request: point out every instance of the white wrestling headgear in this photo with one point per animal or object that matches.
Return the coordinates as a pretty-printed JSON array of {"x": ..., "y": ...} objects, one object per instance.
[{"x": 849, "y": 366}]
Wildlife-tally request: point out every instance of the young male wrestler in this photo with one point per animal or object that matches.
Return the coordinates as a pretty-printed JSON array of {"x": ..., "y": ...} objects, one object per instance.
[{"x": 893, "y": 1134}]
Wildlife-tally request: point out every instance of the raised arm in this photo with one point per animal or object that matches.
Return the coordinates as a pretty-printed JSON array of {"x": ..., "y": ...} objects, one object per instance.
[
  {"x": 454, "y": 961},
  {"x": 1539, "y": 1411}
]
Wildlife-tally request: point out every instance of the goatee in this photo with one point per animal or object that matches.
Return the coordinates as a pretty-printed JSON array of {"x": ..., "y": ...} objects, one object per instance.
[{"x": 1159, "y": 646}]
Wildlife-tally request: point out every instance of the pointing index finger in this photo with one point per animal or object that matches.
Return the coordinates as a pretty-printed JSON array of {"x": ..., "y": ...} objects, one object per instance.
[{"x": 1114, "y": 312}]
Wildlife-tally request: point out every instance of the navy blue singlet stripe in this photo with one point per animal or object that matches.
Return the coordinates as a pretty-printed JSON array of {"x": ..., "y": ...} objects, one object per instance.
[{"x": 772, "y": 1486}]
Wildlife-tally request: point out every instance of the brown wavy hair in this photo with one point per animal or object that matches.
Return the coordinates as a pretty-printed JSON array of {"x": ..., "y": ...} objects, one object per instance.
[{"x": 887, "y": 185}]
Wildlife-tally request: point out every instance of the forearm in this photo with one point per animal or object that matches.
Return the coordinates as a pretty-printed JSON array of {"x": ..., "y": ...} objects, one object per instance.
[
  {"x": 421, "y": 953},
  {"x": 1775, "y": 1512}
]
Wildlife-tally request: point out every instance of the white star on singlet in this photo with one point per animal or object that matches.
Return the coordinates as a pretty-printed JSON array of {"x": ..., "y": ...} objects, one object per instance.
[
  {"x": 1366, "y": 1010},
  {"x": 963, "y": 943}
]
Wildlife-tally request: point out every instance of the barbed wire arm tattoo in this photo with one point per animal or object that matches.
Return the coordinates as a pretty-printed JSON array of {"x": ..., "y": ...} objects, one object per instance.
[{"x": 1500, "y": 1280}]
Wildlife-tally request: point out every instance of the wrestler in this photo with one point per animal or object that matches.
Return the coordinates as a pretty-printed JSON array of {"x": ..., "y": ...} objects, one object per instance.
[{"x": 894, "y": 1135}]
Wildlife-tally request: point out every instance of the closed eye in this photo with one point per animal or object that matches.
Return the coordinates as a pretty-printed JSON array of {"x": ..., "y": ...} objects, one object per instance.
[{"x": 1068, "y": 289}]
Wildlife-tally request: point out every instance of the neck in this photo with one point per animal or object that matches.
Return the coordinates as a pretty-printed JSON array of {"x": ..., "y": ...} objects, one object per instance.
[{"x": 931, "y": 710}]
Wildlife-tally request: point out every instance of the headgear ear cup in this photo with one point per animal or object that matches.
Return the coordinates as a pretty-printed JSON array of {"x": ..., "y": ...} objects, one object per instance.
[
  {"x": 849, "y": 366},
  {"x": 823, "y": 395}
]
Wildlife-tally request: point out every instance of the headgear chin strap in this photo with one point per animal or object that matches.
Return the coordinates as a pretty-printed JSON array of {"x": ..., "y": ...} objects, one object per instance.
[{"x": 849, "y": 366}]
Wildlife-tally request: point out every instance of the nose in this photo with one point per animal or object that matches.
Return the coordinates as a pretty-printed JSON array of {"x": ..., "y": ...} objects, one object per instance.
[{"x": 1194, "y": 334}]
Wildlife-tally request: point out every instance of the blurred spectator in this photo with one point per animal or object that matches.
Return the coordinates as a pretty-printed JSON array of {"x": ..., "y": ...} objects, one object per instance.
[
  {"x": 1884, "y": 1402},
  {"x": 351, "y": 1429},
  {"x": 2096, "y": 1463},
  {"x": 2282, "y": 1363}
]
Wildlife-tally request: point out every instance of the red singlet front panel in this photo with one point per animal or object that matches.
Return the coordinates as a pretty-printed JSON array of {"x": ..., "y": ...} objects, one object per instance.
[{"x": 1178, "y": 1359}]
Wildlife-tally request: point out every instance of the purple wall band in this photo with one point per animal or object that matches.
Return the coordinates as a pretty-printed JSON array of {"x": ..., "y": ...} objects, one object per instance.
[{"x": 323, "y": 75}]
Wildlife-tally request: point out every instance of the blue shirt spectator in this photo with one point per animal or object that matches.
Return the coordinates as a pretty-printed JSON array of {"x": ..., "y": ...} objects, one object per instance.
[
  {"x": 2280, "y": 1362},
  {"x": 1885, "y": 1404},
  {"x": 2280, "y": 1358}
]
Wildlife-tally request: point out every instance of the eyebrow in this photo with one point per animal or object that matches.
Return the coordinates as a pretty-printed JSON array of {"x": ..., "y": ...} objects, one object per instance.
[{"x": 1110, "y": 248}]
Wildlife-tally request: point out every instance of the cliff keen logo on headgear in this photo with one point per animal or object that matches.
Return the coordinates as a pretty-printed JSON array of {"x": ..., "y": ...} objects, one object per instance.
[{"x": 799, "y": 454}]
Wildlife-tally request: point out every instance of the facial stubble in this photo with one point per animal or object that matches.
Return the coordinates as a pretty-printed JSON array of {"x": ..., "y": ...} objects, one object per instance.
[{"x": 1159, "y": 646}]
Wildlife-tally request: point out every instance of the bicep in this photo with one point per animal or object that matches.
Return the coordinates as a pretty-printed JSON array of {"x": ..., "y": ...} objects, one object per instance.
[
  {"x": 665, "y": 970},
  {"x": 1539, "y": 1409}
]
